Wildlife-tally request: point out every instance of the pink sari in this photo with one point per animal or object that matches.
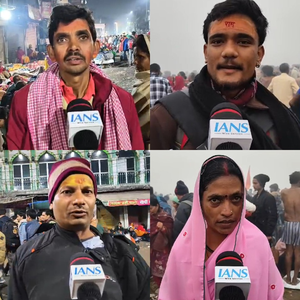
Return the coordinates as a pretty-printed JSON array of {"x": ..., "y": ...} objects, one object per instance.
[{"x": 189, "y": 277}]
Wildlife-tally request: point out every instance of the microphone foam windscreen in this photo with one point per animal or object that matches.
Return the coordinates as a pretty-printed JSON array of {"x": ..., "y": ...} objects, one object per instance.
[
  {"x": 231, "y": 293},
  {"x": 81, "y": 259},
  {"x": 85, "y": 140},
  {"x": 79, "y": 105},
  {"x": 226, "y": 110},
  {"x": 229, "y": 146},
  {"x": 88, "y": 291},
  {"x": 229, "y": 258}
]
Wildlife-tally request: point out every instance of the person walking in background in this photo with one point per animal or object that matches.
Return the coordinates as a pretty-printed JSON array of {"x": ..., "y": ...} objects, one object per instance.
[
  {"x": 161, "y": 225},
  {"x": 159, "y": 86},
  {"x": 268, "y": 75},
  {"x": 265, "y": 215},
  {"x": 284, "y": 87},
  {"x": 175, "y": 204},
  {"x": 21, "y": 217},
  {"x": 184, "y": 209},
  {"x": 179, "y": 83},
  {"x": 32, "y": 224},
  {"x": 141, "y": 87},
  {"x": 291, "y": 230}
]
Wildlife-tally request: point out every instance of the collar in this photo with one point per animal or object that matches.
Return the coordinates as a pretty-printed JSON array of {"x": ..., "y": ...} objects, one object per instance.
[
  {"x": 68, "y": 93},
  {"x": 154, "y": 74},
  {"x": 71, "y": 235}
]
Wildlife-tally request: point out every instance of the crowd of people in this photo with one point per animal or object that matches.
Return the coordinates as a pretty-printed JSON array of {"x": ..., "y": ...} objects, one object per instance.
[{"x": 274, "y": 214}]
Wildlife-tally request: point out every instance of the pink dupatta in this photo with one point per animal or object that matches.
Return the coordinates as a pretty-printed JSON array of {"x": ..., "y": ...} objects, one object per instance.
[
  {"x": 188, "y": 277},
  {"x": 47, "y": 121}
]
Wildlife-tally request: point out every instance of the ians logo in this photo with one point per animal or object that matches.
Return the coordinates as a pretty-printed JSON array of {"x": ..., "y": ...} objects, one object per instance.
[
  {"x": 84, "y": 118},
  {"x": 232, "y": 273},
  {"x": 88, "y": 271},
  {"x": 223, "y": 127}
]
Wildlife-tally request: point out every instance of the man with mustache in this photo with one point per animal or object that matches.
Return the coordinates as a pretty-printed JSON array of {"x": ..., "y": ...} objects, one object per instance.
[
  {"x": 38, "y": 119},
  {"x": 72, "y": 195},
  {"x": 234, "y": 33}
]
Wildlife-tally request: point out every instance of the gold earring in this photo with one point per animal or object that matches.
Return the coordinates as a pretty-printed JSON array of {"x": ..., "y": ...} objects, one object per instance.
[{"x": 257, "y": 65}]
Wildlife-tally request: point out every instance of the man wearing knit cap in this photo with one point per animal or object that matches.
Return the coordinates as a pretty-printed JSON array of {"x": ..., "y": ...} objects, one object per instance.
[
  {"x": 72, "y": 193},
  {"x": 184, "y": 209},
  {"x": 265, "y": 215}
]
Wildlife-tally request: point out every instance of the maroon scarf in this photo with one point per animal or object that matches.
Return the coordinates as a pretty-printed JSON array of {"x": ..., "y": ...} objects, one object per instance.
[{"x": 244, "y": 96}]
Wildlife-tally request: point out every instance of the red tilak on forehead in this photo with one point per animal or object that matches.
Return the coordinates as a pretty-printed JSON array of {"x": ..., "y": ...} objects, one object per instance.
[{"x": 229, "y": 24}]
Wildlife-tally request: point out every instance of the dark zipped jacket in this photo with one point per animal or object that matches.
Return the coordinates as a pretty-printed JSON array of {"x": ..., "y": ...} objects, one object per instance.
[{"x": 41, "y": 268}]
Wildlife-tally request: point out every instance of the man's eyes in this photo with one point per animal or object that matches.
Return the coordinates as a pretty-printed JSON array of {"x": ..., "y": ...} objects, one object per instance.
[{"x": 65, "y": 39}]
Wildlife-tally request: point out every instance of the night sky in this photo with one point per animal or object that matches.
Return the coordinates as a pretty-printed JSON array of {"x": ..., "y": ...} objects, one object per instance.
[{"x": 110, "y": 11}]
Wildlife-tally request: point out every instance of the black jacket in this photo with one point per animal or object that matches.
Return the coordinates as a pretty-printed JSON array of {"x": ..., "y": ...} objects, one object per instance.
[
  {"x": 3, "y": 220},
  {"x": 265, "y": 215},
  {"x": 182, "y": 215},
  {"x": 42, "y": 266}
]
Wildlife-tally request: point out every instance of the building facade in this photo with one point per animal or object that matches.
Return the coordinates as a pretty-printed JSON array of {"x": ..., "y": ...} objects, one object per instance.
[{"x": 123, "y": 179}]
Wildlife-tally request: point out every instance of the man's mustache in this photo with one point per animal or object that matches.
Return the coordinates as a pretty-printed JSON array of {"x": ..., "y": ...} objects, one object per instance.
[
  {"x": 229, "y": 66},
  {"x": 77, "y": 54}
]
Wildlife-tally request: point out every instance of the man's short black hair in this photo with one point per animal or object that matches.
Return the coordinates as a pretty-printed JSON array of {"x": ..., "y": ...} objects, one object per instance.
[
  {"x": 295, "y": 178},
  {"x": 21, "y": 214},
  {"x": 16, "y": 78},
  {"x": 247, "y": 8},
  {"x": 2, "y": 211},
  {"x": 66, "y": 14},
  {"x": 48, "y": 212},
  {"x": 284, "y": 68},
  {"x": 267, "y": 70},
  {"x": 31, "y": 213},
  {"x": 154, "y": 68}
]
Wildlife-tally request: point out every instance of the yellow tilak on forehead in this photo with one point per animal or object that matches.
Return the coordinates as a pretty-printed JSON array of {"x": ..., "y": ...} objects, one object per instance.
[
  {"x": 235, "y": 23},
  {"x": 78, "y": 179}
]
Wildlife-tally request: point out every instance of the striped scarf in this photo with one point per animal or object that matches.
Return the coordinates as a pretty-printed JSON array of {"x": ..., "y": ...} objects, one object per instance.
[{"x": 47, "y": 121}]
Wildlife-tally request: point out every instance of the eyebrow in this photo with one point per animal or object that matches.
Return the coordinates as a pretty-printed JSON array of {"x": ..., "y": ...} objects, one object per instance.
[
  {"x": 212, "y": 196},
  {"x": 237, "y": 36},
  {"x": 78, "y": 33},
  {"x": 73, "y": 187}
]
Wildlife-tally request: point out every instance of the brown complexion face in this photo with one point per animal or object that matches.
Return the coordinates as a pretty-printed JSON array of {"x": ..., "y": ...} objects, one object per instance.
[
  {"x": 154, "y": 209},
  {"x": 74, "y": 202},
  {"x": 222, "y": 204},
  {"x": 232, "y": 52},
  {"x": 256, "y": 185},
  {"x": 73, "y": 48},
  {"x": 141, "y": 60}
]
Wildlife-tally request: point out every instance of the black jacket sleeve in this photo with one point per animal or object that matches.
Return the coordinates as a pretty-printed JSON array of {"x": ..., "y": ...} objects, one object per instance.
[
  {"x": 183, "y": 213},
  {"x": 17, "y": 289},
  {"x": 270, "y": 208}
]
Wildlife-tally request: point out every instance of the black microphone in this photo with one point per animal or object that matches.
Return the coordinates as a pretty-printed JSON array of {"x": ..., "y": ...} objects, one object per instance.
[
  {"x": 232, "y": 280},
  {"x": 89, "y": 291},
  {"x": 227, "y": 129},
  {"x": 84, "y": 125}
]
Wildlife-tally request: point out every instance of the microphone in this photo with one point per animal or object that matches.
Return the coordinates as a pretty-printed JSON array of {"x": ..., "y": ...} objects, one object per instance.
[
  {"x": 89, "y": 291},
  {"x": 232, "y": 281},
  {"x": 83, "y": 272},
  {"x": 84, "y": 125},
  {"x": 227, "y": 129}
]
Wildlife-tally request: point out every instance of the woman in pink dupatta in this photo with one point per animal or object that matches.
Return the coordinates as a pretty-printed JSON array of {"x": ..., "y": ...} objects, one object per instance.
[{"x": 219, "y": 198}]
